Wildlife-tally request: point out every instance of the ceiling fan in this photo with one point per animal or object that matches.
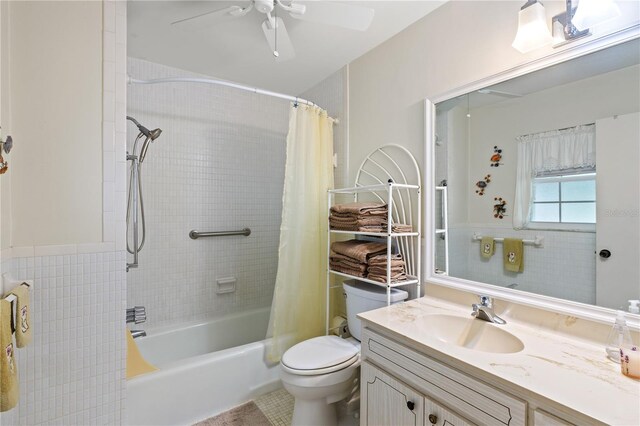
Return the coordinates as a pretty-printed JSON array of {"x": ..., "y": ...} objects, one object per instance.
[{"x": 336, "y": 14}]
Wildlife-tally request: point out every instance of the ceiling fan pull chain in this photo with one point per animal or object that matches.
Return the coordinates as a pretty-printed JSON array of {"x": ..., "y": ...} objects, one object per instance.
[{"x": 275, "y": 34}]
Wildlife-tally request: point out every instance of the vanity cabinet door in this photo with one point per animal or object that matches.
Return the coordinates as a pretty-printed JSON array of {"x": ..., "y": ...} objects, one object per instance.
[
  {"x": 542, "y": 418},
  {"x": 387, "y": 401},
  {"x": 436, "y": 415}
]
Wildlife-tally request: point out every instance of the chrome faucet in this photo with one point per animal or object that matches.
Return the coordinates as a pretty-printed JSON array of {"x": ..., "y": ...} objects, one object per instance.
[
  {"x": 138, "y": 333},
  {"x": 484, "y": 311}
]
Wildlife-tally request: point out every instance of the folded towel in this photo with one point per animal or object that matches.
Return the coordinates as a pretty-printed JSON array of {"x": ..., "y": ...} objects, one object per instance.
[
  {"x": 487, "y": 247},
  {"x": 381, "y": 260},
  {"x": 357, "y": 221},
  {"x": 23, "y": 327},
  {"x": 359, "y": 250},
  {"x": 401, "y": 227},
  {"x": 361, "y": 208},
  {"x": 8, "y": 365},
  {"x": 346, "y": 270},
  {"x": 379, "y": 270},
  {"x": 383, "y": 278},
  {"x": 345, "y": 261},
  {"x": 513, "y": 255}
]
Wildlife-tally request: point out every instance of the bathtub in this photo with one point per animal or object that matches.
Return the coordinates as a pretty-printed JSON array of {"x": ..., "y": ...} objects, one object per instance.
[{"x": 204, "y": 369}]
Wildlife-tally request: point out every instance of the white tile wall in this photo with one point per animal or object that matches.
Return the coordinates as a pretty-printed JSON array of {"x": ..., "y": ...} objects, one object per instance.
[
  {"x": 218, "y": 165},
  {"x": 565, "y": 267},
  {"x": 72, "y": 373}
]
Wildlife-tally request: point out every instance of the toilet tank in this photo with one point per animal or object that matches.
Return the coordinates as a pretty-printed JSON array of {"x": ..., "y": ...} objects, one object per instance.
[{"x": 363, "y": 297}]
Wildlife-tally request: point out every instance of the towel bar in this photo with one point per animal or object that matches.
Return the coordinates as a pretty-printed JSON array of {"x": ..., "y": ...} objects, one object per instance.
[
  {"x": 538, "y": 241},
  {"x": 194, "y": 235}
]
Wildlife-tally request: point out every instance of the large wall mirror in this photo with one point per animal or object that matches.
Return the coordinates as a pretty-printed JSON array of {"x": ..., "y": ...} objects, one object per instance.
[{"x": 550, "y": 158}]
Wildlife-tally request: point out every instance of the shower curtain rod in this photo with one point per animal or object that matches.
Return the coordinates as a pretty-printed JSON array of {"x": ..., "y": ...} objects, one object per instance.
[{"x": 225, "y": 83}]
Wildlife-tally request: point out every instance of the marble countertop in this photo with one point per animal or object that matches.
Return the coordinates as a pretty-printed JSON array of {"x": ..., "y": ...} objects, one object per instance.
[{"x": 572, "y": 374}]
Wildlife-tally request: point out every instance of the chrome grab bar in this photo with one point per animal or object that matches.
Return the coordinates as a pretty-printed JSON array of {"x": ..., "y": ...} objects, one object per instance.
[{"x": 194, "y": 235}]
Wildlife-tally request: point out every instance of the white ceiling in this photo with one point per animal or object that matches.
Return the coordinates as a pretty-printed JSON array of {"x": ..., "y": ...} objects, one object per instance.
[{"x": 237, "y": 50}]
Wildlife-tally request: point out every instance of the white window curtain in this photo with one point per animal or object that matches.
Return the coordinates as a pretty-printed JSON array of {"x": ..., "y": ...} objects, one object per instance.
[
  {"x": 298, "y": 308},
  {"x": 539, "y": 153}
]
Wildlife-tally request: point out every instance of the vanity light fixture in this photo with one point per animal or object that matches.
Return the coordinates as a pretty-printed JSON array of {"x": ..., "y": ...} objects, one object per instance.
[
  {"x": 567, "y": 26},
  {"x": 533, "y": 32},
  {"x": 594, "y": 12}
]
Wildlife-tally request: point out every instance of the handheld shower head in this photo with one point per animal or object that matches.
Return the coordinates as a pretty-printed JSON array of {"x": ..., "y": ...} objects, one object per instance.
[{"x": 152, "y": 136}]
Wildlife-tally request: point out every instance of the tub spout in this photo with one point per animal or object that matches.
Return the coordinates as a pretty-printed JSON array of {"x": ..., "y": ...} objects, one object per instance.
[{"x": 138, "y": 333}]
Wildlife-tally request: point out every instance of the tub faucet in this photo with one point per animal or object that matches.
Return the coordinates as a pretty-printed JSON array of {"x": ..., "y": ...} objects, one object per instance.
[
  {"x": 137, "y": 314},
  {"x": 138, "y": 333},
  {"x": 484, "y": 311}
]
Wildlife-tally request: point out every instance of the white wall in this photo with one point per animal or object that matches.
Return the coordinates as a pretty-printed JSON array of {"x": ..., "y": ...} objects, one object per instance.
[{"x": 55, "y": 77}]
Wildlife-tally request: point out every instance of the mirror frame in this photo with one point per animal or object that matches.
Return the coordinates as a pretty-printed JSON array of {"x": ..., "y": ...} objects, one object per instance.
[{"x": 562, "y": 306}]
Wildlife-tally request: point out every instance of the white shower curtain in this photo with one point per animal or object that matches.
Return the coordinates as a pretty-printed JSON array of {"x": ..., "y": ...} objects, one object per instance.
[{"x": 299, "y": 298}]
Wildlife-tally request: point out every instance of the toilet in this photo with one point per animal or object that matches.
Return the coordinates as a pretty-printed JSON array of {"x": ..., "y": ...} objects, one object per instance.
[{"x": 321, "y": 371}]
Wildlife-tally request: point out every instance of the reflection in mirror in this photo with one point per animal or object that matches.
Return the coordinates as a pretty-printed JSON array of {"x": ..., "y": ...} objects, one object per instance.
[{"x": 550, "y": 158}]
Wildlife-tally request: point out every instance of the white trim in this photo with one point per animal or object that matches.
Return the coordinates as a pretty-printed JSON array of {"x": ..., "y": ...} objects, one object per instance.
[{"x": 566, "y": 307}]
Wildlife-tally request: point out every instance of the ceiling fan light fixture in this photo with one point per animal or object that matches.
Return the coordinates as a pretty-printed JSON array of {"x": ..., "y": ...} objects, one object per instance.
[{"x": 533, "y": 31}]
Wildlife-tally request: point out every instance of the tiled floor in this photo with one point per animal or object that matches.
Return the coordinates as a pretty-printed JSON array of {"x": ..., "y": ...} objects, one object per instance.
[{"x": 277, "y": 406}]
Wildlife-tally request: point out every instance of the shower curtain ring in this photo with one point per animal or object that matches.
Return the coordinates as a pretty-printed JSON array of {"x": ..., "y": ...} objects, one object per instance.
[{"x": 295, "y": 104}]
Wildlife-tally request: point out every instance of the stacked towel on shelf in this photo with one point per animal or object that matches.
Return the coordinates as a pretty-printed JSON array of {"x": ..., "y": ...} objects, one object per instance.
[
  {"x": 347, "y": 265},
  {"x": 360, "y": 217},
  {"x": 366, "y": 259},
  {"x": 377, "y": 270}
]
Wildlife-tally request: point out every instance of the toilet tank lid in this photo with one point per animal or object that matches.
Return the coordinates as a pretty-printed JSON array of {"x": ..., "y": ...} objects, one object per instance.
[
  {"x": 373, "y": 292},
  {"x": 320, "y": 353}
]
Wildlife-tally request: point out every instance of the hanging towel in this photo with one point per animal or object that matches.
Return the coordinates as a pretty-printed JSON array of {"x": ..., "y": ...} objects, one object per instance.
[
  {"x": 23, "y": 326},
  {"x": 513, "y": 255},
  {"x": 136, "y": 364},
  {"x": 487, "y": 247},
  {"x": 8, "y": 366}
]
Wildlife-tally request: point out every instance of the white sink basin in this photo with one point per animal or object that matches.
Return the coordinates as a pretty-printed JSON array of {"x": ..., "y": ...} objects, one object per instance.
[{"x": 471, "y": 333}]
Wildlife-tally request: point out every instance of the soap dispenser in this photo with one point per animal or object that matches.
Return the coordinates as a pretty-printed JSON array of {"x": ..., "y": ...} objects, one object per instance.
[
  {"x": 634, "y": 306},
  {"x": 619, "y": 337}
]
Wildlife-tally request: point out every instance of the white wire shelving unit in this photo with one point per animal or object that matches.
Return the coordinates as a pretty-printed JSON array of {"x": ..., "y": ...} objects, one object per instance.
[{"x": 404, "y": 207}]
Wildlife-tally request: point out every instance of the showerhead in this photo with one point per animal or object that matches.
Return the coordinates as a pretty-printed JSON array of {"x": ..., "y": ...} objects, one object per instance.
[{"x": 152, "y": 136}]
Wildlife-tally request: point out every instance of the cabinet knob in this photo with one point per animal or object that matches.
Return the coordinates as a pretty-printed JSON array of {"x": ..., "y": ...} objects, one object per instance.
[
  {"x": 605, "y": 254},
  {"x": 411, "y": 405},
  {"x": 433, "y": 419}
]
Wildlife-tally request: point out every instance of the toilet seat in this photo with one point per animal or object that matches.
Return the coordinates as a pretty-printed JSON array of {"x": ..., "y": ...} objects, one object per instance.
[{"x": 320, "y": 355}]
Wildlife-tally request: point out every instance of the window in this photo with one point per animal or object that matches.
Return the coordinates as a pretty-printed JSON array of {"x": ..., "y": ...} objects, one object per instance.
[{"x": 564, "y": 198}]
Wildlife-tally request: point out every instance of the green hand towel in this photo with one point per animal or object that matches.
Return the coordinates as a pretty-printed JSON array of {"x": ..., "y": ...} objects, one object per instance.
[
  {"x": 487, "y": 247},
  {"x": 513, "y": 255}
]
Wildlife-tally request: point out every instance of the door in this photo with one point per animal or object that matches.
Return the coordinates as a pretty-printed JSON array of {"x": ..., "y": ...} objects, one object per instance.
[
  {"x": 387, "y": 401},
  {"x": 436, "y": 415},
  {"x": 617, "y": 210}
]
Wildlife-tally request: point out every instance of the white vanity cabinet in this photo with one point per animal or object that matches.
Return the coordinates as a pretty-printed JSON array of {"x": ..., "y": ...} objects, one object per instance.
[
  {"x": 391, "y": 402},
  {"x": 446, "y": 396},
  {"x": 402, "y": 386}
]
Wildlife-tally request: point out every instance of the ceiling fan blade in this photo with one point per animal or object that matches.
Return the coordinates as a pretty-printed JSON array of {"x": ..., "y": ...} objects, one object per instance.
[
  {"x": 279, "y": 40},
  {"x": 336, "y": 14},
  {"x": 208, "y": 19}
]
